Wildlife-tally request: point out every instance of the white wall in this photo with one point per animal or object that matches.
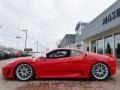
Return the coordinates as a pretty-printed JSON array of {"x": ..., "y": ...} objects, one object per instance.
[{"x": 96, "y": 26}]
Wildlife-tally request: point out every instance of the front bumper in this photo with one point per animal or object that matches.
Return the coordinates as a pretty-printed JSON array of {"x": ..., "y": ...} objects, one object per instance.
[{"x": 8, "y": 72}]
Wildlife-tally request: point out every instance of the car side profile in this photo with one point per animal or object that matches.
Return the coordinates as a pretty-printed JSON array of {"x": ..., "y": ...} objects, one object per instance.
[{"x": 62, "y": 63}]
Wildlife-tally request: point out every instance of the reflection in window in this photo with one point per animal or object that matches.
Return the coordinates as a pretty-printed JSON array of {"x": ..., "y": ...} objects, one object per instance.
[
  {"x": 109, "y": 45},
  {"x": 50, "y": 55},
  {"x": 93, "y": 46},
  {"x": 100, "y": 46},
  {"x": 117, "y": 45},
  {"x": 75, "y": 53},
  {"x": 60, "y": 54}
]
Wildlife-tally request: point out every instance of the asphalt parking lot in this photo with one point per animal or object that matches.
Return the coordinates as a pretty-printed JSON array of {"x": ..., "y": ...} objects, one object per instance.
[{"x": 57, "y": 84}]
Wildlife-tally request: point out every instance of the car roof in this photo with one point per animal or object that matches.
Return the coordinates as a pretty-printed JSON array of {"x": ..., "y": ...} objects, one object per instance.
[{"x": 65, "y": 49}]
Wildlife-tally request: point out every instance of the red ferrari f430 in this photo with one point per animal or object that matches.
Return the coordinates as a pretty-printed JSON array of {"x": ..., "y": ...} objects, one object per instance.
[{"x": 62, "y": 63}]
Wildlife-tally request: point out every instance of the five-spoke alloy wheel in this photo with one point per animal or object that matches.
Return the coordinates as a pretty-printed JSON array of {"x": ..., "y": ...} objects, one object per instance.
[
  {"x": 24, "y": 72},
  {"x": 100, "y": 71}
]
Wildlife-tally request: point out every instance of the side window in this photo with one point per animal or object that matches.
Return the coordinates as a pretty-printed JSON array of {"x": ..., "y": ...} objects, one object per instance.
[
  {"x": 75, "y": 53},
  {"x": 50, "y": 55},
  {"x": 61, "y": 54}
]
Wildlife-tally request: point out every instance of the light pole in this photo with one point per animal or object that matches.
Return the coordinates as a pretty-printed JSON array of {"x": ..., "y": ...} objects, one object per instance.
[
  {"x": 18, "y": 37},
  {"x": 37, "y": 47},
  {"x": 25, "y": 38},
  {"x": 0, "y": 26}
]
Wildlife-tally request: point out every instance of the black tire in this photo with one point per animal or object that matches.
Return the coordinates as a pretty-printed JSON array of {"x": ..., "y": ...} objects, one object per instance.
[
  {"x": 23, "y": 74},
  {"x": 100, "y": 71}
]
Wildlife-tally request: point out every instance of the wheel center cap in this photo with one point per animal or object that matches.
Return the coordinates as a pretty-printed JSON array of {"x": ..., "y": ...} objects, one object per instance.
[
  {"x": 100, "y": 70},
  {"x": 24, "y": 71}
]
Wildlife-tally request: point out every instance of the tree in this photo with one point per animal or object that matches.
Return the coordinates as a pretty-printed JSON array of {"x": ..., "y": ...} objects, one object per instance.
[
  {"x": 95, "y": 49},
  {"x": 118, "y": 51},
  {"x": 108, "y": 50}
]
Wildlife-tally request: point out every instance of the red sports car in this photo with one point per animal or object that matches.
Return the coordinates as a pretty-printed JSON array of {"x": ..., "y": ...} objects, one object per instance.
[{"x": 62, "y": 63}]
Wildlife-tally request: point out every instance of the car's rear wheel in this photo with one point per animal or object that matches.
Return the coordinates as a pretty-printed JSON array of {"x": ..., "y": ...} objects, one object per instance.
[
  {"x": 24, "y": 72},
  {"x": 100, "y": 71}
]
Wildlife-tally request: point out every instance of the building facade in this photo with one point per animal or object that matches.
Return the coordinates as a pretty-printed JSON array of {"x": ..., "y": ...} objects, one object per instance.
[
  {"x": 73, "y": 40},
  {"x": 102, "y": 35},
  {"x": 68, "y": 41},
  {"x": 78, "y": 30}
]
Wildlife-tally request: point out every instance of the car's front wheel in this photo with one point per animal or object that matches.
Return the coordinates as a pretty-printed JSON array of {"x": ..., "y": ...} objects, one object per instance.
[
  {"x": 24, "y": 72},
  {"x": 100, "y": 71}
]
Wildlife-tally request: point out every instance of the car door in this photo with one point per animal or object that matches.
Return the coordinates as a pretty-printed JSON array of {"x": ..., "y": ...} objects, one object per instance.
[
  {"x": 56, "y": 63},
  {"x": 72, "y": 65},
  {"x": 63, "y": 63}
]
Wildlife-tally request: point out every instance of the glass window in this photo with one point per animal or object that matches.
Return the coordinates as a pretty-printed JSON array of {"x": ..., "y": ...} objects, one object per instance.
[
  {"x": 50, "y": 55},
  {"x": 117, "y": 45},
  {"x": 75, "y": 53},
  {"x": 61, "y": 54},
  {"x": 100, "y": 46},
  {"x": 109, "y": 45},
  {"x": 93, "y": 46}
]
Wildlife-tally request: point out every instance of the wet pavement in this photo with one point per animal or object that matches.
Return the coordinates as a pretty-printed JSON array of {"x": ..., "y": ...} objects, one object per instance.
[{"x": 58, "y": 84}]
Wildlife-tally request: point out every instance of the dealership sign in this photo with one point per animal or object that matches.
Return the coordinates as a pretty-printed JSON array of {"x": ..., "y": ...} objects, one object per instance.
[{"x": 115, "y": 14}]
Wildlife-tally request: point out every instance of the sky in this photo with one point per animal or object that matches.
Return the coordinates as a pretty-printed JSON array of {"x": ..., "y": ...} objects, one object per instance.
[{"x": 47, "y": 21}]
